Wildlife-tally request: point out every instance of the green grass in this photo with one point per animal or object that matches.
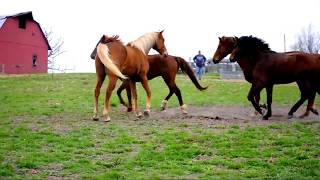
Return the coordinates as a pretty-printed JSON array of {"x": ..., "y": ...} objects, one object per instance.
[{"x": 46, "y": 131}]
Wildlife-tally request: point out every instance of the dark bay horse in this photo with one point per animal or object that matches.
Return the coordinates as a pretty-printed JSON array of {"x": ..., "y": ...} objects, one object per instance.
[
  {"x": 266, "y": 68},
  {"x": 126, "y": 62},
  {"x": 228, "y": 44},
  {"x": 167, "y": 67}
]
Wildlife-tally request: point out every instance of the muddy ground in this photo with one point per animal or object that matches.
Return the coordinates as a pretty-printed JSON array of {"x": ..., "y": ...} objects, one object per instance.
[{"x": 228, "y": 114}]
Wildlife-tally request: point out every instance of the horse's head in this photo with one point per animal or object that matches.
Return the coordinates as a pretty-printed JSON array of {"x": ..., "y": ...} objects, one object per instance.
[
  {"x": 159, "y": 44},
  {"x": 225, "y": 47}
]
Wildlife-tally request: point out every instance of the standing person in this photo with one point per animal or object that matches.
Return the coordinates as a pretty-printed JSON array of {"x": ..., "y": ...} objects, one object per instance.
[{"x": 200, "y": 61}]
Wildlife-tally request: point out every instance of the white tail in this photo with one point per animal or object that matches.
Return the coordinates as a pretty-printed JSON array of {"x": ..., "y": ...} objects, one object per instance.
[{"x": 103, "y": 54}]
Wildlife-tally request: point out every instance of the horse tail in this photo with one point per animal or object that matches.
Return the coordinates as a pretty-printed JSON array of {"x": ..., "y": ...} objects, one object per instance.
[
  {"x": 186, "y": 68},
  {"x": 106, "y": 59}
]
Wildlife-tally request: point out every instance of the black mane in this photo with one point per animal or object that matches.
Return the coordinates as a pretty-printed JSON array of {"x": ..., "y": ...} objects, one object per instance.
[{"x": 252, "y": 44}]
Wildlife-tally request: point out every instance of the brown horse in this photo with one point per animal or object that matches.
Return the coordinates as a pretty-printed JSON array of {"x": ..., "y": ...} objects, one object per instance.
[
  {"x": 264, "y": 68},
  {"x": 125, "y": 61},
  {"x": 227, "y": 45},
  {"x": 167, "y": 67}
]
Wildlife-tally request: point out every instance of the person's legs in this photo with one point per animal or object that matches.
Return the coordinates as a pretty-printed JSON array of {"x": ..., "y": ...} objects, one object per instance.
[{"x": 198, "y": 72}]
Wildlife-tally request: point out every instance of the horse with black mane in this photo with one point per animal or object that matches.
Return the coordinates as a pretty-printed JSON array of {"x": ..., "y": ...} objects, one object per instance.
[{"x": 265, "y": 68}]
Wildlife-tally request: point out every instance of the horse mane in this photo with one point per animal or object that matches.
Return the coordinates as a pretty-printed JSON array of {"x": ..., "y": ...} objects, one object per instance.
[
  {"x": 145, "y": 42},
  {"x": 252, "y": 44},
  {"x": 106, "y": 39}
]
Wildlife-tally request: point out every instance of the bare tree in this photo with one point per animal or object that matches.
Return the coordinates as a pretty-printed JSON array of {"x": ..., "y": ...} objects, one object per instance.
[
  {"x": 56, "y": 50},
  {"x": 307, "y": 40}
]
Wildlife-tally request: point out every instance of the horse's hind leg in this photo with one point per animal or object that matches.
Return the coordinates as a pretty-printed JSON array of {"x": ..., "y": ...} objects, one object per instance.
[
  {"x": 183, "y": 107},
  {"x": 101, "y": 75},
  {"x": 111, "y": 85},
  {"x": 310, "y": 106},
  {"x": 164, "y": 102}
]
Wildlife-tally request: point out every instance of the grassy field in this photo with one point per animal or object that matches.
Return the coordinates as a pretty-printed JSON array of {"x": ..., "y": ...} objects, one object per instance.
[{"x": 46, "y": 131}]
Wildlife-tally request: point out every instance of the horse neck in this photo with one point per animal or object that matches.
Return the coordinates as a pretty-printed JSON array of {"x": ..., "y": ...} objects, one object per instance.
[
  {"x": 247, "y": 67},
  {"x": 144, "y": 43}
]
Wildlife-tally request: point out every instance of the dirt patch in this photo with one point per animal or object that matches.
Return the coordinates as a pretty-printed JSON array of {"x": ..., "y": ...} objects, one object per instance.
[{"x": 209, "y": 115}]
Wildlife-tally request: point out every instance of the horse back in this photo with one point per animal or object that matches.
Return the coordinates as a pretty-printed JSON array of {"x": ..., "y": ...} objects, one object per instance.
[
  {"x": 136, "y": 62},
  {"x": 160, "y": 65}
]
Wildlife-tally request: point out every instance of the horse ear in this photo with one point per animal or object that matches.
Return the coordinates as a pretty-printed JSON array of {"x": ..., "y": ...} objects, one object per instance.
[
  {"x": 219, "y": 38},
  {"x": 103, "y": 39}
]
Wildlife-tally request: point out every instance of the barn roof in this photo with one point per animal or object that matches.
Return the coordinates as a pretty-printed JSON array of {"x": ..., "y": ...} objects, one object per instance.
[{"x": 27, "y": 15}]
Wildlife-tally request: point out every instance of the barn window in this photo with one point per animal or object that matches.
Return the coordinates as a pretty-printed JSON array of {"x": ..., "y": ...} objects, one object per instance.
[
  {"x": 22, "y": 22},
  {"x": 34, "y": 60}
]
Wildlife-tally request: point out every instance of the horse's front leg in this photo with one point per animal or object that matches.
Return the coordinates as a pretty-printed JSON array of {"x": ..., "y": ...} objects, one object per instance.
[
  {"x": 125, "y": 85},
  {"x": 146, "y": 87},
  {"x": 134, "y": 99},
  {"x": 269, "y": 102},
  {"x": 254, "y": 91},
  {"x": 111, "y": 85}
]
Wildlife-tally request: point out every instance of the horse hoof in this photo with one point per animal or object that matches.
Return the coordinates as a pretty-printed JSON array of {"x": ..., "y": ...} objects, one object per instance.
[
  {"x": 139, "y": 115},
  {"x": 146, "y": 113},
  {"x": 95, "y": 118},
  {"x": 290, "y": 116},
  {"x": 314, "y": 111},
  {"x": 303, "y": 116},
  {"x": 106, "y": 118},
  {"x": 184, "y": 109},
  {"x": 163, "y": 105}
]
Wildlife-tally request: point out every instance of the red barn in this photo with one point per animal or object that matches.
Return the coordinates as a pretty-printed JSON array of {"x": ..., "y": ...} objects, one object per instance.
[{"x": 23, "y": 46}]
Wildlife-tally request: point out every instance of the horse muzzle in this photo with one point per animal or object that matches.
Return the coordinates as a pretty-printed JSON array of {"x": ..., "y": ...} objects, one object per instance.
[
  {"x": 215, "y": 61},
  {"x": 232, "y": 59}
]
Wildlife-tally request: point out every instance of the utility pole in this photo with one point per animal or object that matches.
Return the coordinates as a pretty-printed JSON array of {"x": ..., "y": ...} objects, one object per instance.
[{"x": 284, "y": 42}]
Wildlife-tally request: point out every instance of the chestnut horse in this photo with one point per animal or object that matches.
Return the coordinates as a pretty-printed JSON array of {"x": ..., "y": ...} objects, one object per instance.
[
  {"x": 167, "y": 67},
  {"x": 125, "y": 61},
  {"x": 264, "y": 68}
]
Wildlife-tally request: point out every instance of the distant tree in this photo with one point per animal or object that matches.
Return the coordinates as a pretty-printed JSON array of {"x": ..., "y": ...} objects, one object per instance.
[
  {"x": 307, "y": 40},
  {"x": 56, "y": 50}
]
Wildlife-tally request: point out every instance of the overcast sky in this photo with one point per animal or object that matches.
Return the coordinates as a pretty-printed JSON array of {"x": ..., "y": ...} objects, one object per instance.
[{"x": 190, "y": 25}]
